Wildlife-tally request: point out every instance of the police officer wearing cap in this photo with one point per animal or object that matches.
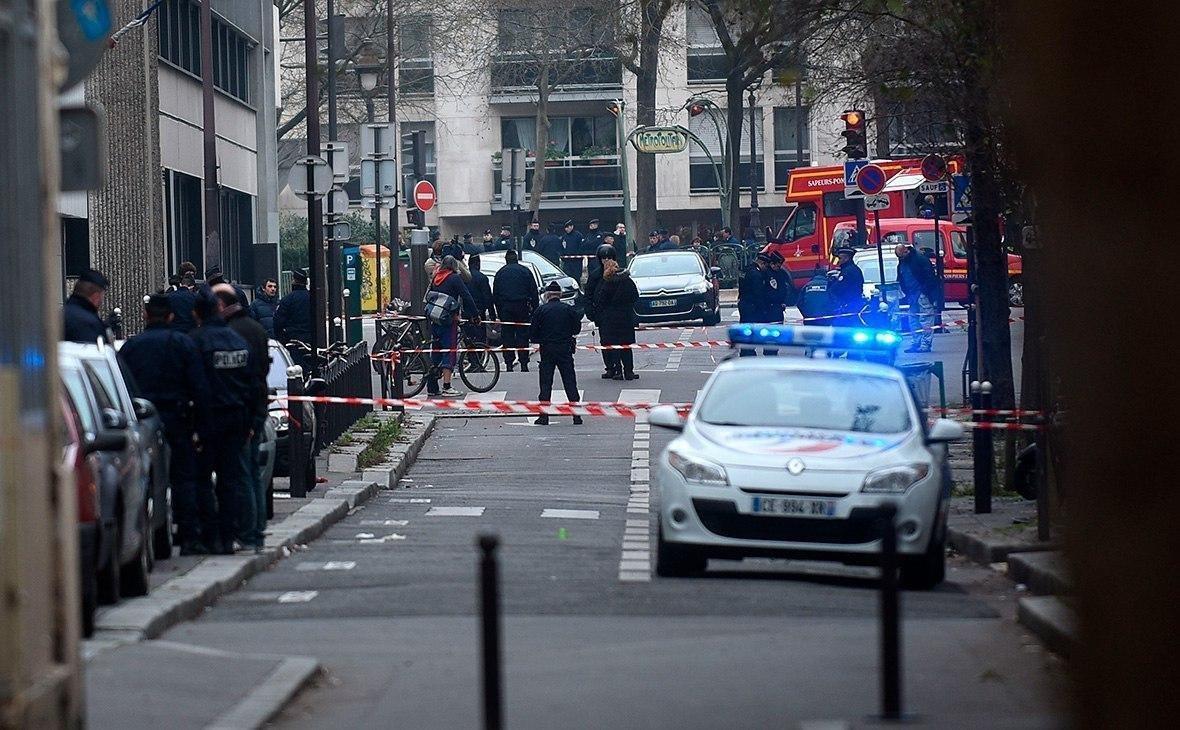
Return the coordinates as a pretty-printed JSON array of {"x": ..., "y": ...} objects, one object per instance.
[
  {"x": 756, "y": 299},
  {"x": 593, "y": 238},
  {"x": 574, "y": 243},
  {"x": 504, "y": 242},
  {"x": 783, "y": 293},
  {"x": 223, "y": 423},
  {"x": 514, "y": 292},
  {"x": 554, "y": 326},
  {"x": 80, "y": 320},
  {"x": 293, "y": 315},
  {"x": 166, "y": 365},
  {"x": 486, "y": 244},
  {"x": 552, "y": 246},
  {"x": 846, "y": 287}
]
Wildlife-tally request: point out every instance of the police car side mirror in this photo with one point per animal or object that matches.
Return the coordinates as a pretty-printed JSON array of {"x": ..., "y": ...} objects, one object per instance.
[
  {"x": 666, "y": 417},
  {"x": 715, "y": 270},
  {"x": 144, "y": 409},
  {"x": 107, "y": 441},
  {"x": 944, "y": 431},
  {"x": 113, "y": 420},
  {"x": 315, "y": 386}
]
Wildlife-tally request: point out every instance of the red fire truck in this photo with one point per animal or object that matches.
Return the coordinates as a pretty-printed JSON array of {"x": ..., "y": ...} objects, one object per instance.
[{"x": 817, "y": 203}]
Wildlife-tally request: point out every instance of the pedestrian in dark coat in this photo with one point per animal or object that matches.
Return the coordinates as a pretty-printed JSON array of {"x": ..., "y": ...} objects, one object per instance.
[
  {"x": 80, "y": 320},
  {"x": 445, "y": 335},
  {"x": 620, "y": 245},
  {"x": 919, "y": 285},
  {"x": 514, "y": 291},
  {"x": 614, "y": 304},
  {"x": 846, "y": 288},
  {"x": 552, "y": 246},
  {"x": 293, "y": 317},
  {"x": 555, "y": 324},
  {"x": 183, "y": 300},
  {"x": 262, "y": 309},
  {"x": 593, "y": 281}
]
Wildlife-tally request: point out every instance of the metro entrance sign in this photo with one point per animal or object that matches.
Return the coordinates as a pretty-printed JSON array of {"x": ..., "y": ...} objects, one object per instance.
[{"x": 424, "y": 195}]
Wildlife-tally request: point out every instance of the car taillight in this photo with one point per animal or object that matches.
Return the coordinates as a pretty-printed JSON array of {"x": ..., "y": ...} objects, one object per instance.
[{"x": 88, "y": 510}]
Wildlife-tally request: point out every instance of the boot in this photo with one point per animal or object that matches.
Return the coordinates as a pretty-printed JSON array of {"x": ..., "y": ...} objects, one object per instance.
[
  {"x": 577, "y": 420},
  {"x": 542, "y": 420}
]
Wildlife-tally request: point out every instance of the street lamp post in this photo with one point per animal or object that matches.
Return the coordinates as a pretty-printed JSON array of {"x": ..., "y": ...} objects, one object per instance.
[
  {"x": 755, "y": 214},
  {"x": 696, "y": 106},
  {"x": 368, "y": 76},
  {"x": 618, "y": 108},
  {"x": 395, "y": 244}
]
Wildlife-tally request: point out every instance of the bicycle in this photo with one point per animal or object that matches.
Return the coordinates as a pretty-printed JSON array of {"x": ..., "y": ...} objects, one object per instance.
[{"x": 478, "y": 367}]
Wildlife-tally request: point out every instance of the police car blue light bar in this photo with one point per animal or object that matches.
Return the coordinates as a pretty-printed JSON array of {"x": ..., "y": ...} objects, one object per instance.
[{"x": 787, "y": 335}]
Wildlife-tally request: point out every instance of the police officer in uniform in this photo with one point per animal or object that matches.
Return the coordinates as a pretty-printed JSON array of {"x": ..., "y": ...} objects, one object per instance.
[
  {"x": 814, "y": 302},
  {"x": 552, "y": 246},
  {"x": 504, "y": 242},
  {"x": 481, "y": 292},
  {"x": 574, "y": 244},
  {"x": 846, "y": 288},
  {"x": 594, "y": 236},
  {"x": 532, "y": 239},
  {"x": 183, "y": 300},
  {"x": 80, "y": 319},
  {"x": 783, "y": 289},
  {"x": 555, "y": 324},
  {"x": 223, "y": 423},
  {"x": 514, "y": 292},
  {"x": 757, "y": 300},
  {"x": 167, "y": 366},
  {"x": 293, "y": 316}
]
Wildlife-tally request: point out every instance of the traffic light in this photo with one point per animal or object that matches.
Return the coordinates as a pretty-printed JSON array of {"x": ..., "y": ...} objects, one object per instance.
[
  {"x": 856, "y": 145},
  {"x": 613, "y": 108}
]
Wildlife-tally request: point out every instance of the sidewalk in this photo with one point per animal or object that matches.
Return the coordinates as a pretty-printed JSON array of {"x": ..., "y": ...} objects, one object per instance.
[{"x": 134, "y": 681}]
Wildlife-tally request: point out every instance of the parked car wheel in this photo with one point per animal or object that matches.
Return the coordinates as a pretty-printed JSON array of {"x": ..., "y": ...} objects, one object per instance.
[
  {"x": 162, "y": 537},
  {"x": 88, "y": 580},
  {"x": 1016, "y": 292},
  {"x": 108, "y": 575},
  {"x": 925, "y": 571},
  {"x": 675, "y": 561},
  {"x": 134, "y": 575}
]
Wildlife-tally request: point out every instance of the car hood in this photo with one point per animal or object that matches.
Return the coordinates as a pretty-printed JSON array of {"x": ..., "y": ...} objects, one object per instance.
[
  {"x": 757, "y": 446},
  {"x": 676, "y": 282}
]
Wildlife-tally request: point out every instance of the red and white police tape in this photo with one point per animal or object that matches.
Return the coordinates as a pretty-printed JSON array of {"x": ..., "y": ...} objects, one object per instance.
[
  {"x": 392, "y": 355},
  {"x": 624, "y": 410}
]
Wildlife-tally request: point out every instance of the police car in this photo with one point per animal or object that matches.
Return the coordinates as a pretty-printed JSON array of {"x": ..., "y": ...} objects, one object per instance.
[{"x": 792, "y": 457}]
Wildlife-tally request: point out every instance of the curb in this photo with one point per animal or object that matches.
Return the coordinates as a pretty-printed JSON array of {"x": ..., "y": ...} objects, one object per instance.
[
  {"x": 268, "y": 699},
  {"x": 186, "y": 596},
  {"x": 1050, "y": 620},
  {"x": 1043, "y": 572},
  {"x": 986, "y": 552}
]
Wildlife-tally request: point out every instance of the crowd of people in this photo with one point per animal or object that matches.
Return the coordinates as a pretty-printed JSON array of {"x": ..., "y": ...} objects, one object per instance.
[{"x": 202, "y": 360}]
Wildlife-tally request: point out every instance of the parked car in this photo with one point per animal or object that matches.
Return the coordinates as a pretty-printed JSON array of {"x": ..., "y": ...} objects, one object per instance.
[
  {"x": 675, "y": 286},
  {"x": 123, "y": 546},
  {"x": 280, "y": 411},
  {"x": 543, "y": 272}
]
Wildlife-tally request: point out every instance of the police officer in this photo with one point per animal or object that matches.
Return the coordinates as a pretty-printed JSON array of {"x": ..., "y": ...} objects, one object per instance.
[
  {"x": 223, "y": 422},
  {"x": 756, "y": 299},
  {"x": 555, "y": 324},
  {"x": 80, "y": 320},
  {"x": 166, "y": 365},
  {"x": 663, "y": 242},
  {"x": 214, "y": 276},
  {"x": 481, "y": 292},
  {"x": 846, "y": 287},
  {"x": 814, "y": 302},
  {"x": 593, "y": 237},
  {"x": 293, "y": 316},
  {"x": 783, "y": 291},
  {"x": 552, "y": 246},
  {"x": 504, "y": 242},
  {"x": 593, "y": 281},
  {"x": 532, "y": 239},
  {"x": 514, "y": 292},
  {"x": 620, "y": 244},
  {"x": 252, "y": 511},
  {"x": 182, "y": 301},
  {"x": 574, "y": 243}
]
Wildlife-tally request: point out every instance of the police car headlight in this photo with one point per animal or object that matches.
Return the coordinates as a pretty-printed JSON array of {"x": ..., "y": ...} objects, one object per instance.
[
  {"x": 895, "y": 479},
  {"x": 698, "y": 471},
  {"x": 700, "y": 288}
]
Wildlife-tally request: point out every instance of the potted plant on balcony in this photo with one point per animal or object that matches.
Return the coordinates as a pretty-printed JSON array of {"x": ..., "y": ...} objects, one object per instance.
[
  {"x": 554, "y": 156},
  {"x": 596, "y": 155}
]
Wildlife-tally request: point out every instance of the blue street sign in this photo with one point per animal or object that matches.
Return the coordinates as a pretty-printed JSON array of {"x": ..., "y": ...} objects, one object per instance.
[
  {"x": 93, "y": 16},
  {"x": 850, "y": 169},
  {"x": 962, "y": 197}
]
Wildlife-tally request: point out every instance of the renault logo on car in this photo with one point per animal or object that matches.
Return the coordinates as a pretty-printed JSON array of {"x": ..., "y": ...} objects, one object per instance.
[{"x": 796, "y": 466}]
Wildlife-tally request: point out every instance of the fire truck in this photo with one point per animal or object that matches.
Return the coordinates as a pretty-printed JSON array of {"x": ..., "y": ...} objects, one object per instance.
[{"x": 815, "y": 196}]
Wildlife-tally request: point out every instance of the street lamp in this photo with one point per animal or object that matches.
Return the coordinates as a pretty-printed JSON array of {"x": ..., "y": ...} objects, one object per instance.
[
  {"x": 755, "y": 214},
  {"x": 696, "y": 106},
  {"x": 368, "y": 75}
]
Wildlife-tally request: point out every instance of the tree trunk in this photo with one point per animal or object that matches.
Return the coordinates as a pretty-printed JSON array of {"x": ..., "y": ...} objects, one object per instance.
[
  {"x": 733, "y": 152},
  {"x": 540, "y": 172},
  {"x": 126, "y": 230},
  {"x": 646, "y": 214}
]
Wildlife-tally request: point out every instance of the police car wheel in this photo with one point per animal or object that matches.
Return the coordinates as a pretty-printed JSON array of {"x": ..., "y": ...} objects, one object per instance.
[
  {"x": 677, "y": 561},
  {"x": 925, "y": 571}
]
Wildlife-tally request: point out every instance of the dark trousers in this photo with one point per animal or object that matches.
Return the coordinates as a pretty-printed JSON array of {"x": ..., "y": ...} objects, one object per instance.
[
  {"x": 619, "y": 361},
  {"x": 560, "y": 358},
  {"x": 221, "y": 453},
  {"x": 514, "y": 336},
  {"x": 182, "y": 468}
]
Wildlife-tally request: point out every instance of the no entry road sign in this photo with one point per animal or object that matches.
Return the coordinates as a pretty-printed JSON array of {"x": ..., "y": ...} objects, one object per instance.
[
  {"x": 870, "y": 179},
  {"x": 424, "y": 195}
]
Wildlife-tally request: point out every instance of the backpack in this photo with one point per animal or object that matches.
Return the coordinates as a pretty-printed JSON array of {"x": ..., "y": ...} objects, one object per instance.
[{"x": 440, "y": 307}]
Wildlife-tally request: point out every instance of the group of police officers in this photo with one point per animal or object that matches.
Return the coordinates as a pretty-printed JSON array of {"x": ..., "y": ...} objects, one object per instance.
[{"x": 202, "y": 360}]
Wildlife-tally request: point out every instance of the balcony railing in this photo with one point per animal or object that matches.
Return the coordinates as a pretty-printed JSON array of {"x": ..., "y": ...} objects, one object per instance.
[
  {"x": 575, "y": 74},
  {"x": 571, "y": 178}
]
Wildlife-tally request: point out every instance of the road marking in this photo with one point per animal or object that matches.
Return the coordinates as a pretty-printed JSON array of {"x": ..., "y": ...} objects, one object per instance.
[
  {"x": 385, "y": 523},
  {"x": 560, "y": 397},
  {"x": 394, "y": 537},
  {"x": 571, "y": 514},
  {"x": 635, "y": 552},
  {"x": 297, "y": 596},
  {"x": 639, "y": 395},
  {"x": 331, "y": 565},
  {"x": 491, "y": 395},
  {"x": 455, "y": 512},
  {"x": 409, "y": 500}
]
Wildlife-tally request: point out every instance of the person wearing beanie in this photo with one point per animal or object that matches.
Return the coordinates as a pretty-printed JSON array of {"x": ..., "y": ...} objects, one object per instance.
[{"x": 554, "y": 326}]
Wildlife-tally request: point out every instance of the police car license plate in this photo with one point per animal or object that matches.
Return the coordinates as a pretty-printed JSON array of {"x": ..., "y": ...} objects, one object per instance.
[
  {"x": 794, "y": 507},
  {"x": 658, "y": 303}
]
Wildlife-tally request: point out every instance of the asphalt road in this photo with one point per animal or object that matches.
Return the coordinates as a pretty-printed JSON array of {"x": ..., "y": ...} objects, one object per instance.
[{"x": 387, "y": 598}]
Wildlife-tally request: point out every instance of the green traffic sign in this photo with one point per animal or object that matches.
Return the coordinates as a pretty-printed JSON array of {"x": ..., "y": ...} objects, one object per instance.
[{"x": 659, "y": 140}]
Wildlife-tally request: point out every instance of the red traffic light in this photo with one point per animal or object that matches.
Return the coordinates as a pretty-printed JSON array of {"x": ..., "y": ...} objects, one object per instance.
[
  {"x": 613, "y": 108},
  {"x": 695, "y": 110},
  {"x": 853, "y": 119}
]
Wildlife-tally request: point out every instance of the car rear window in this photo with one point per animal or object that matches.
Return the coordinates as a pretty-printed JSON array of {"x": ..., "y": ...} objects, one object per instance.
[{"x": 833, "y": 401}]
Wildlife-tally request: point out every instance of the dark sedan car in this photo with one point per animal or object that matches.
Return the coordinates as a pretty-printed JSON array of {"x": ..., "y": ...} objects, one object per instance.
[{"x": 675, "y": 286}]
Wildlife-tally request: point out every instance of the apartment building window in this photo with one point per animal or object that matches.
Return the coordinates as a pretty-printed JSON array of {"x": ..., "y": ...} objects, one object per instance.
[
  {"x": 582, "y": 159},
  {"x": 706, "y": 57},
  {"x": 518, "y": 66},
  {"x": 237, "y": 235},
  {"x": 180, "y": 45},
  {"x": 428, "y": 155},
  {"x": 914, "y": 128},
  {"x": 416, "y": 68},
  {"x": 787, "y": 142},
  {"x": 701, "y": 176}
]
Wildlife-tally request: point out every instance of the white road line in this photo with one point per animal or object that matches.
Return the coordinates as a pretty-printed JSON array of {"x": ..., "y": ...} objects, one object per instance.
[
  {"x": 571, "y": 514},
  {"x": 639, "y": 395},
  {"x": 409, "y": 500},
  {"x": 490, "y": 395},
  {"x": 560, "y": 397},
  {"x": 385, "y": 523},
  {"x": 455, "y": 512},
  {"x": 635, "y": 553},
  {"x": 297, "y": 596}
]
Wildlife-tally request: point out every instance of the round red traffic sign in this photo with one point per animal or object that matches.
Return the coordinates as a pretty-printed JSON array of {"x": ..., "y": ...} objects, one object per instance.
[
  {"x": 933, "y": 167},
  {"x": 424, "y": 195},
  {"x": 870, "y": 179}
]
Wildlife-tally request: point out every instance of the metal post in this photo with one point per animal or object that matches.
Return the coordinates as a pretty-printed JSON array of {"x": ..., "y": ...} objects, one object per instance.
[
  {"x": 489, "y": 593},
  {"x": 755, "y": 214},
  {"x": 334, "y": 277},
  {"x": 419, "y": 252},
  {"x": 395, "y": 239},
  {"x": 298, "y": 447},
  {"x": 799, "y": 130},
  {"x": 315, "y": 220},
  {"x": 621, "y": 136},
  {"x": 890, "y": 617},
  {"x": 981, "y": 396},
  {"x": 938, "y": 247},
  {"x": 880, "y": 252},
  {"x": 209, "y": 142}
]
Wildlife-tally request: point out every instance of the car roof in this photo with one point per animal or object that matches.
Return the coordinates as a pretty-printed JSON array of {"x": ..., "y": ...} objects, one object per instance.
[
  {"x": 903, "y": 223},
  {"x": 650, "y": 254},
  {"x": 830, "y": 365}
]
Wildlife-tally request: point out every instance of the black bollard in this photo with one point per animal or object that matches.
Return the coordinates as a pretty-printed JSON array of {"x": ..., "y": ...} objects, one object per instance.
[
  {"x": 399, "y": 378},
  {"x": 489, "y": 592},
  {"x": 984, "y": 462},
  {"x": 297, "y": 445},
  {"x": 890, "y": 617}
]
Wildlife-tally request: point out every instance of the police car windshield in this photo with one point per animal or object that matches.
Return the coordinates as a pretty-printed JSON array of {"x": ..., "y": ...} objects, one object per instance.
[
  {"x": 833, "y": 401},
  {"x": 666, "y": 265},
  {"x": 545, "y": 267}
]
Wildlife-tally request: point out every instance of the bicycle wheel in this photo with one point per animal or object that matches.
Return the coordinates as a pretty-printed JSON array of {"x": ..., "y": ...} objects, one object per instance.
[
  {"x": 480, "y": 370},
  {"x": 415, "y": 366},
  {"x": 382, "y": 347}
]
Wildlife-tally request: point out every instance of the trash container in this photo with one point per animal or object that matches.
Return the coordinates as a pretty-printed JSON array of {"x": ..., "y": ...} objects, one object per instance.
[{"x": 919, "y": 375}]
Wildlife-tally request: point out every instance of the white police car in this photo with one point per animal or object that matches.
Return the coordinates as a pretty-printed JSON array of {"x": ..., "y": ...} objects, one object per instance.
[{"x": 792, "y": 456}]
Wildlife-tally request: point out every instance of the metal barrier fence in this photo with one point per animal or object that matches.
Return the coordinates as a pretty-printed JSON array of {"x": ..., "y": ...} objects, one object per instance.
[{"x": 346, "y": 376}]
